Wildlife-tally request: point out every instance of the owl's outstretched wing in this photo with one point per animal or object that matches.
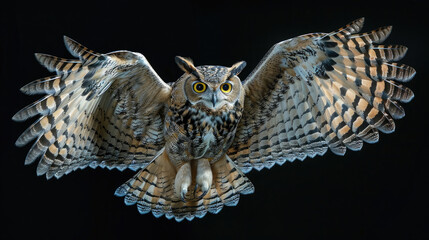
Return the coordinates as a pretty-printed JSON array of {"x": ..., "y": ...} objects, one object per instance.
[
  {"x": 318, "y": 91},
  {"x": 100, "y": 110}
]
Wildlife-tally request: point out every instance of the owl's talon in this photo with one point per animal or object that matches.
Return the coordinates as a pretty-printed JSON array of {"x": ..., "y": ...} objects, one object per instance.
[
  {"x": 183, "y": 195},
  {"x": 204, "y": 192},
  {"x": 202, "y": 195},
  {"x": 195, "y": 189}
]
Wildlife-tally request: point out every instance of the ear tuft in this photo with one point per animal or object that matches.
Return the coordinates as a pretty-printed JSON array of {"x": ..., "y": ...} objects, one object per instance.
[
  {"x": 237, "y": 68},
  {"x": 185, "y": 64}
]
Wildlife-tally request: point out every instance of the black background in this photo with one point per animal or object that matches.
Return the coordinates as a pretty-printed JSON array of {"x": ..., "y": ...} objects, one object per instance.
[{"x": 378, "y": 192}]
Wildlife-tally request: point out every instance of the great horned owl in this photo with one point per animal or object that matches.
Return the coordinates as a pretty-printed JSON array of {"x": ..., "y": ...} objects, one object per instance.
[{"x": 192, "y": 141}]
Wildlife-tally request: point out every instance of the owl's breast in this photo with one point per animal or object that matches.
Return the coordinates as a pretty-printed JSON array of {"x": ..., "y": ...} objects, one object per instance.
[{"x": 195, "y": 133}]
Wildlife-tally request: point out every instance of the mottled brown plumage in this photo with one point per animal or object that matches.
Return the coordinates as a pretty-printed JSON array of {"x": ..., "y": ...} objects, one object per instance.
[{"x": 193, "y": 140}]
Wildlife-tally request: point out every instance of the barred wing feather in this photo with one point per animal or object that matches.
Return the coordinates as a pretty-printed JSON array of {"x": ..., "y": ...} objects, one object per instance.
[
  {"x": 318, "y": 91},
  {"x": 99, "y": 110}
]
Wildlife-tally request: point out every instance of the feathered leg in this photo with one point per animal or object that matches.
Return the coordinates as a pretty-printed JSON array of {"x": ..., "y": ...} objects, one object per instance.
[{"x": 183, "y": 180}]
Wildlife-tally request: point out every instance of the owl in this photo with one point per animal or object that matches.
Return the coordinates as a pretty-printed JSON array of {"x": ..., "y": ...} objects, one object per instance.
[{"x": 192, "y": 141}]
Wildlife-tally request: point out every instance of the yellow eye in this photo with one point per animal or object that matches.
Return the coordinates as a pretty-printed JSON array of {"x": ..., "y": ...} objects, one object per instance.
[
  {"x": 226, "y": 87},
  {"x": 199, "y": 87}
]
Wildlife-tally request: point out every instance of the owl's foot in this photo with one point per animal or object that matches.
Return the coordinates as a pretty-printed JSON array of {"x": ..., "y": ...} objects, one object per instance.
[
  {"x": 204, "y": 177},
  {"x": 183, "y": 181}
]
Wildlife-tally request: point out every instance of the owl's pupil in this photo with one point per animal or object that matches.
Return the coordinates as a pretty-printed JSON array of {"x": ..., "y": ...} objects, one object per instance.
[
  {"x": 199, "y": 87},
  {"x": 225, "y": 87}
]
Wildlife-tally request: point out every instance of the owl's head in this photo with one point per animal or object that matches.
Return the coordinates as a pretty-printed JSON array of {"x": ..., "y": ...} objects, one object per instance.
[{"x": 211, "y": 87}]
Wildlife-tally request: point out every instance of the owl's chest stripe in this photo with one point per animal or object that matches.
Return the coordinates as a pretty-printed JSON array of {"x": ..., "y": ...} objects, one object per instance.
[{"x": 195, "y": 124}]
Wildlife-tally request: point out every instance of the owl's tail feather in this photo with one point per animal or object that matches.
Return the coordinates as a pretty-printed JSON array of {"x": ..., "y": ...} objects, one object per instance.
[
  {"x": 227, "y": 185},
  {"x": 152, "y": 189}
]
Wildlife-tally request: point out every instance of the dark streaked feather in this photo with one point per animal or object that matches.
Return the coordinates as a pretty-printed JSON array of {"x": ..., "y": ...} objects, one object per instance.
[
  {"x": 81, "y": 125},
  {"x": 321, "y": 90}
]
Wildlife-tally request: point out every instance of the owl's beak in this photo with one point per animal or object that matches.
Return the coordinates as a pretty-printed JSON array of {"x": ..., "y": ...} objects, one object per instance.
[{"x": 214, "y": 100}]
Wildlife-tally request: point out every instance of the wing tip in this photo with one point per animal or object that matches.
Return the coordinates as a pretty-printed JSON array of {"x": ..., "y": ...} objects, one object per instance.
[
  {"x": 412, "y": 73},
  {"x": 386, "y": 30},
  {"x": 71, "y": 45},
  {"x": 29, "y": 160},
  {"x": 78, "y": 50},
  {"x": 406, "y": 73},
  {"x": 39, "y": 57},
  {"x": 20, "y": 143},
  {"x": 17, "y": 118},
  {"x": 46, "y": 61},
  {"x": 410, "y": 96},
  {"x": 25, "y": 89},
  {"x": 360, "y": 21},
  {"x": 21, "y": 115},
  {"x": 67, "y": 39}
]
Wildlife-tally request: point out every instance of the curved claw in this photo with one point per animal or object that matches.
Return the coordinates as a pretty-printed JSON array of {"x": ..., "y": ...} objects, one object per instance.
[
  {"x": 203, "y": 195},
  {"x": 205, "y": 190},
  {"x": 195, "y": 189},
  {"x": 183, "y": 195}
]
